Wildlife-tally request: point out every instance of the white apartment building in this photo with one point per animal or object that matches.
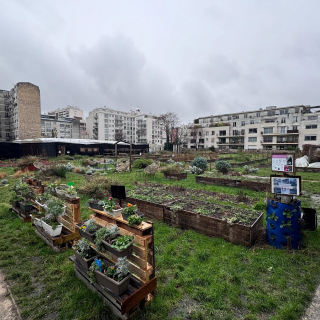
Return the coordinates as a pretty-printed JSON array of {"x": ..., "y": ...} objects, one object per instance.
[
  {"x": 114, "y": 125},
  {"x": 51, "y": 127},
  {"x": 68, "y": 112},
  {"x": 270, "y": 128}
]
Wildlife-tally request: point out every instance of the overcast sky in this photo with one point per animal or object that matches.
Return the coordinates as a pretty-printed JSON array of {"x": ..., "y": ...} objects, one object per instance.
[{"x": 193, "y": 57}]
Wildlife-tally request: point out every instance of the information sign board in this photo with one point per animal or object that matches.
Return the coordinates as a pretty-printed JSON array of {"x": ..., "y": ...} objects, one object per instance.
[
  {"x": 283, "y": 163},
  {"x": 290, "y": 185}
]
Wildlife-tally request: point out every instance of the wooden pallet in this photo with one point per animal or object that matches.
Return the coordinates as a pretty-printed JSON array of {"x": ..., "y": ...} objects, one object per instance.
[
  {"x": 73, "y": 215},
  {"x": 137, "y": 296},
  {"x": 24, "y": 216},
  {"x": 142, "y": 260},
  {"x": 61, "y": 242}
]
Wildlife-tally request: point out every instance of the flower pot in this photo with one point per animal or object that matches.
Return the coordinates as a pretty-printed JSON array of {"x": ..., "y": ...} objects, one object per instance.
[
  {"x": 95, "y": 206},
  {"x": 37, "y": 222},
  {"x": 114, "y": 213},
  {"x": 125, "y": 252},
  {"x": 89, "y": 236},
  {"x": 26, "y": 208},
  {"x": 86, "y": 263},
  {"x": 59, "y": 192},
  {"x": 125, "y": 216},
  {"x": 15, "y": 204},
  {"x": 71, "y": 196},
  {"x": 116, "y": 287},
  {"x": 53, "y": 233}
]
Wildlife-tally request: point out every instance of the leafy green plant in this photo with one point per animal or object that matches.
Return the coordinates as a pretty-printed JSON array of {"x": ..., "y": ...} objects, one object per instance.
[
  {"x": 130, "y": 209},
  {"x": 90, "y": 226},
  {"x": 171, "y": 169},
  {"x": 286, "y": 224},
  {"x": 142, "y": 163},
  {"x": 260, "y": 206},
  {"x": 287, "y": 213},
  {"x": 134, "y": 220},
  {"x": 109, "y": 205},
  {"x": 121, "y": 242},
  {"x": 104, "y": 234},
  {"x": 60, "y": 171},
  {"x": 55, "y": 209},
  {"x": 273, "y": 216}
]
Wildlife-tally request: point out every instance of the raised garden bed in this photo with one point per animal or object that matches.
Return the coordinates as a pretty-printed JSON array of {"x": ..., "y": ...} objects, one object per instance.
[
  {"x": 213, "y": 225},
  {"x": 176, "y": 176},
  {"x": 250, "y": 185}
]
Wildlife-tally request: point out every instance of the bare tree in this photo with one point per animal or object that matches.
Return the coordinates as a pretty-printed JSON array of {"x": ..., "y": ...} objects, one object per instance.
[
  {"x": 169, "y": 121},
  {"x": 180, "y": 136},
  {"x": 196, "y": 135}
]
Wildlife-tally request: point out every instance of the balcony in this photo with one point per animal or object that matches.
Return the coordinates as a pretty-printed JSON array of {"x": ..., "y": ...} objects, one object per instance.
[{"x": 293, "y": 131}]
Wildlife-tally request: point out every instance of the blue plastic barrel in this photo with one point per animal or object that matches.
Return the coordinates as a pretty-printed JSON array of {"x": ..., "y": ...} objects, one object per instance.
[{"x": 284, "y": 224}]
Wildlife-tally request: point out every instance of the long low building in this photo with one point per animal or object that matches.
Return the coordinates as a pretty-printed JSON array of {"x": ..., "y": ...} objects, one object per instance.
[{"x": 52, "y": 147}]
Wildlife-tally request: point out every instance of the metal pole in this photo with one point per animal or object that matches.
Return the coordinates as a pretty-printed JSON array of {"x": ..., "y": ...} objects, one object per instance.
[{"x": 130, "y": 154}]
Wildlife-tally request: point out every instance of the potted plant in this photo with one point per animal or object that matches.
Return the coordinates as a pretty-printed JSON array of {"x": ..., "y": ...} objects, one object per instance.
[
  {"x": 61, "y": 189},
  {"x": 71, "y": 193},
  {"x": 26, "y": 206},
  {"x": 37, "y": 218},
  {"x": 95, "y": 204},
  {"x": 110, "y": 240},
  {"x": 42, "y": 199},
  {"x": 134, "y": 220},
  {"x": 88, "y": 229},
  {"x": 115, "y": 278},
  {"x": 128, "y": 211},
  {"x": 84, "y": 253},
  {"x": 112, "y": 208},
  {"x": 50, "y": 224},
  {"x": 15, "y": 199}
]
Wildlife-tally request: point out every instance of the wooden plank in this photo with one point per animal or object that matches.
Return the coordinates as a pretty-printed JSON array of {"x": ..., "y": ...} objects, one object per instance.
[
  {"x": 141, "y": 252},
  {"x": 138, "y": 296},
  {"x": 66, "y": 238},
  {"x": 67, "y": 224}
]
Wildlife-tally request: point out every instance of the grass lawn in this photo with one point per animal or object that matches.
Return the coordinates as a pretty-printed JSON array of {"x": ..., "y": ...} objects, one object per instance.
[{"x": 198, "y": 277}]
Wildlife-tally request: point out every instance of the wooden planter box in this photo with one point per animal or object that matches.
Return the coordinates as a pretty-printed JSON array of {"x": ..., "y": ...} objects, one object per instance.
[
  {"x": 176, "y": 176},
  {"x": 250, "y": 185},
  {"x": 150, "y": 209},
  {"x": 234, "y": 233}
]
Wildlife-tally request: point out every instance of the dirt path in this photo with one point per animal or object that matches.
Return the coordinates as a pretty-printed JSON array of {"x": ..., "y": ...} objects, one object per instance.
[{"x": 8, "y": 308}]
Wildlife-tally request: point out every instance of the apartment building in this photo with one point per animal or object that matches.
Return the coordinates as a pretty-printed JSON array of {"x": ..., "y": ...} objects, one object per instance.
[
  {"x": 114, "y": 125},
  {"x": 68, "y": 112},
  {"x": 53, "y": 127},
  {"x": 271, "y": 128},
  {"x": 20, "y": 111}
]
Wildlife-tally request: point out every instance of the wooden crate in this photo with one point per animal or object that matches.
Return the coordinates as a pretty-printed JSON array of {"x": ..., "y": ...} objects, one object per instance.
[
  {"x": 142, "y": 261},
  {"x": 143, "y": 282},
  {"x": 24, "y": 216},
  {"x": 136, "y": 297},
  {"x": 61, "y": 242},
  {"x": 73, "y": 214}
]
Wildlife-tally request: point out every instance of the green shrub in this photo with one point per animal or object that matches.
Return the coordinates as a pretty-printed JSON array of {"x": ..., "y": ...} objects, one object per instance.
[
  {"x": 60, "y": 171},
  {"x": 212, "y": 149},
  {"x": 260, "y": 206},
  {"x": 142, "y": 163},
  {"x": 77, "y": 157},
  {"x": 220, "y": 164},
  {"x": 200, "y": 162}
]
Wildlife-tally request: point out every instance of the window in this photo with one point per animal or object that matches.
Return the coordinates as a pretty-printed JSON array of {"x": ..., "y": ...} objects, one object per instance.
[
  {"x": 243, "y": 123},
  {"x": 258, "y": 114},
  {"x": 310, "y": 138},
  {"x": 252, "y": 139},
  {"x": 251, "y": 121},
  {"x": 313, "y": 118},
  {"x": 294, "y": 127},
  {"x": 271, "y": 113},
  {"x": 222, "y": 133},
  {"x": 245, "y": 115},
  {"x": 283, "y": 120},
  {"x": 200, "y": 133},
  {"x": 253, "y": 130},
  {"x": 267, "y": 139},
  {"x": 284, "y": 111},
  {"x": 268, "y": 130},
  {"x": 296, "y": 110},
  {"x": 61, "y": 124},
  {"x": 212, "y": 133},
  {"x": 212, "y": 139},
  {"x": 229, "y": 118},
  {"x": 207, "y": 139},
  {"x": 295, "y": 119},
  {"x": 234, "y": 124},
  {"x": 207, "y": 133},
  {"x": 312, "y": 126},
  {"x": 282, "y": 129}
]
